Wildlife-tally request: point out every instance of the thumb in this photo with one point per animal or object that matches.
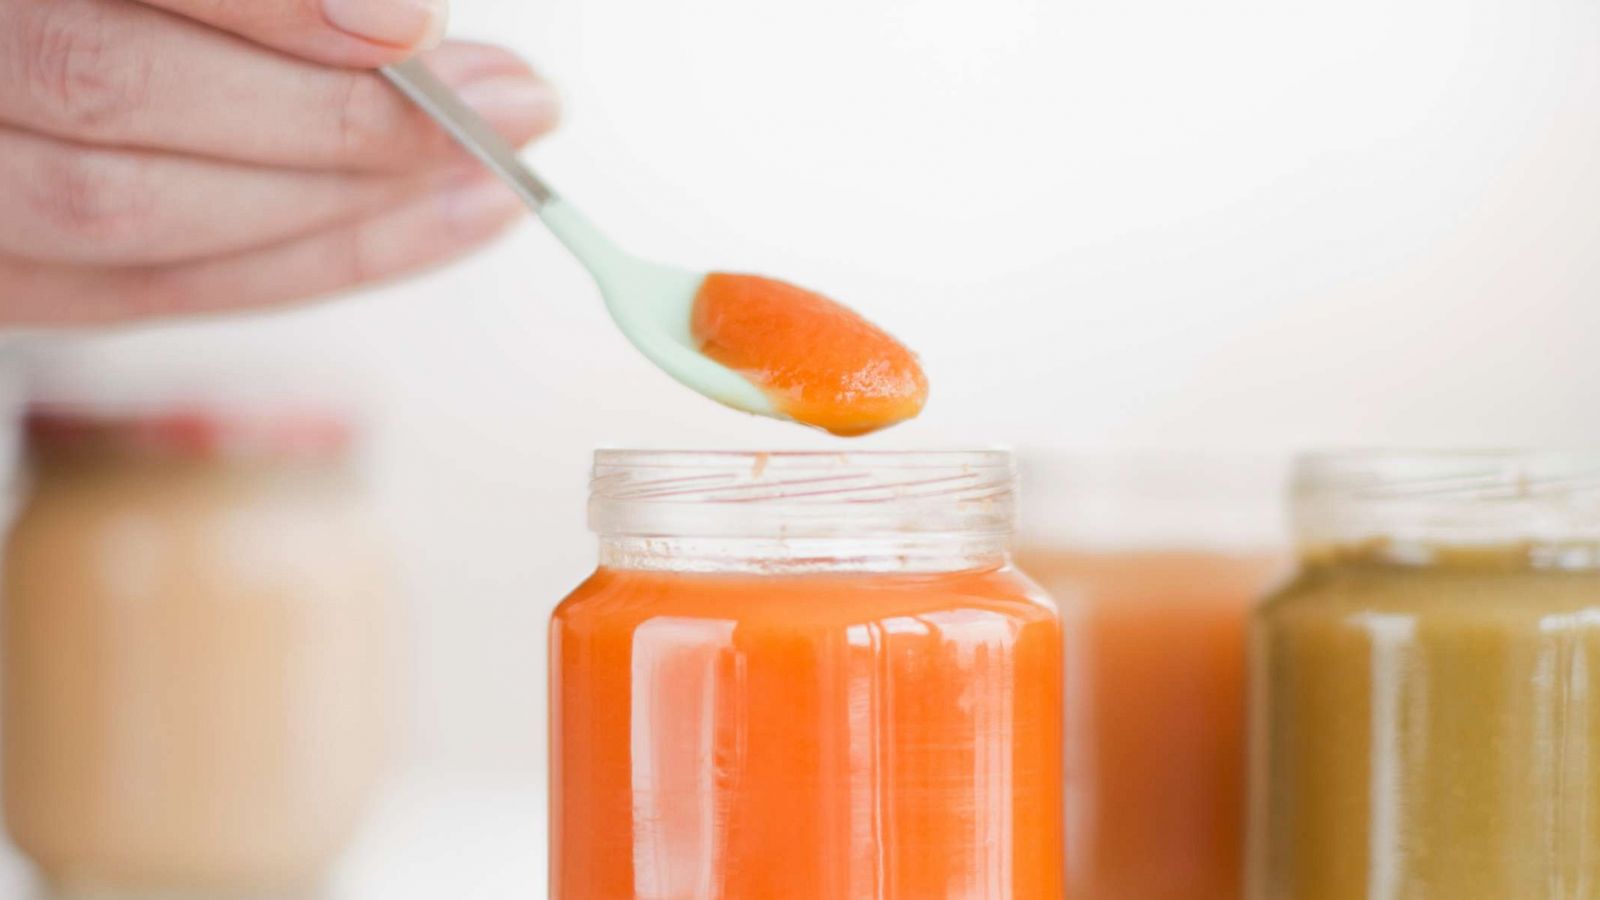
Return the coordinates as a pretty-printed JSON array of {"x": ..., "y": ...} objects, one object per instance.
[{"x": 356, "y": 33}]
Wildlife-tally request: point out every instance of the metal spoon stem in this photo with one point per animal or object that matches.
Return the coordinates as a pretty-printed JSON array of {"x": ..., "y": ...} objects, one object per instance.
[{"x": 469, "y": 129}]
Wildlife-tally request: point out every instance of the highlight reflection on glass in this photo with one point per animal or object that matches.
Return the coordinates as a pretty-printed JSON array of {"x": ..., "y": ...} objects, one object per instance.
[{"x": 195, "y": 652}]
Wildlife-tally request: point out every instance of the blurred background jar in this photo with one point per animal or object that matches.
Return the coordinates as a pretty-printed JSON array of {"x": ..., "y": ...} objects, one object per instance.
[
  {"x": 1154, "y": 561},
  {"x": 1425, "y": 695},
  {"x": 196, "y": 649}
]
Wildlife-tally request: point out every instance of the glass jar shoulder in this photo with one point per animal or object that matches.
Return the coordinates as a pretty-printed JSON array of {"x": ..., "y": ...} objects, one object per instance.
[
  {"x": 89, "y": 491},
  {"x": 781, "y": 634},
  {"x": 1134, "y": 580},
  {"x": 308, "y": 533},
  {"x": 621, "y": 598},
  {"x": 1467, "y": 587}
]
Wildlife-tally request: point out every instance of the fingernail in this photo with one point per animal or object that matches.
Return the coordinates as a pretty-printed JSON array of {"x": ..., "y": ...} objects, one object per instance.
[
  {"x": 478, "y": 210},
  {"x": 417, "y": 24},
  {"x": 506, "y": 99}
]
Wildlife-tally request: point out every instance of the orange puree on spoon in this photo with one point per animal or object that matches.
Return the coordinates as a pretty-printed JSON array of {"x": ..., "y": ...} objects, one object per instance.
[{"x": 819, "y": 362}]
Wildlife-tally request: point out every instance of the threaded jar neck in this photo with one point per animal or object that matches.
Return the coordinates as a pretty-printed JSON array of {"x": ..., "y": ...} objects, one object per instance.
[
  {"x": 1409, "y": 507},
  {"x": 802, "y": 511}
]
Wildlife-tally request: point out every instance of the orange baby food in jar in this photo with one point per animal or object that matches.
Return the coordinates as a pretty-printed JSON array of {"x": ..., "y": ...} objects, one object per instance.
[
  {"x": 195, "y": 623},
  {"x": 1155, "y": 561},
  {"x": 803, "y": 676}
]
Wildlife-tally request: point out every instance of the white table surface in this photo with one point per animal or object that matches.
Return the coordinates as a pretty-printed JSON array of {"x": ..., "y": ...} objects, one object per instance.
[{"x": 431, "y": 836}]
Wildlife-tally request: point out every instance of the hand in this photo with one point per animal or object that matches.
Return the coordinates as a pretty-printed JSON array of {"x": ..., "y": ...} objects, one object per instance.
[{"x": 180, "y": 156}]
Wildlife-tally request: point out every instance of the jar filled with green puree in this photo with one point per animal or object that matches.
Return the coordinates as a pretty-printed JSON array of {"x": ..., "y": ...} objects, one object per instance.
[{"x": 1425, "y": 695}]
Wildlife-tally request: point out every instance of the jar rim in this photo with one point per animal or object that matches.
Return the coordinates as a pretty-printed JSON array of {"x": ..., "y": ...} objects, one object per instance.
[
  {"x": 801, "y": 459},
  {"x": 1224, "y": 501},
  {"x": 789, "y": 495},
  {"x": 1443, "y": 474},
  {"x": 1436, "y": 498}
]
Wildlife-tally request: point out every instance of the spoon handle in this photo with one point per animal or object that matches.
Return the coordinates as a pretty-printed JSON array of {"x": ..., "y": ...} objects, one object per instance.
[{"x": 468, "y": 128}]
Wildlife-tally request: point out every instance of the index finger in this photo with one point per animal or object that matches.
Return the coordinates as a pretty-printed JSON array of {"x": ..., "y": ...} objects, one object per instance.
[{"x": 355, "y": 33}]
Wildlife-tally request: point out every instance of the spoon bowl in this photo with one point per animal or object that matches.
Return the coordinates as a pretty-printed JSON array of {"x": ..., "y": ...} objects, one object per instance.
[{"x": 653, "y": 305}]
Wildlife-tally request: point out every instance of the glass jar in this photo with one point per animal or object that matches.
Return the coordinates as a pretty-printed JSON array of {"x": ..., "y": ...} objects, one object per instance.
[
  {"x": 1426, "y": 693},
  {"x": 1155, "y": 560},
  {"x": 195, "y": 652},
  {"x": 805, "y": 675}
]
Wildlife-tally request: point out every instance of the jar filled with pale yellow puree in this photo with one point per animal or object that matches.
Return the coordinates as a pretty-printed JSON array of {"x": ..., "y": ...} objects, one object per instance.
[
  {"x": 196, "y": 643},
  {"x": 1426, "y": 693}
]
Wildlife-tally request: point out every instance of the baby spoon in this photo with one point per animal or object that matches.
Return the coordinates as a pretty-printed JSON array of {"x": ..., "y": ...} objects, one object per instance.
[{"x": 651, "y": 303}]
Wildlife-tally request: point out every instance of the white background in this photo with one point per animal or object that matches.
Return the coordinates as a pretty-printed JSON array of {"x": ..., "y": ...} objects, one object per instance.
[{"x": 1242, "y": 224}]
